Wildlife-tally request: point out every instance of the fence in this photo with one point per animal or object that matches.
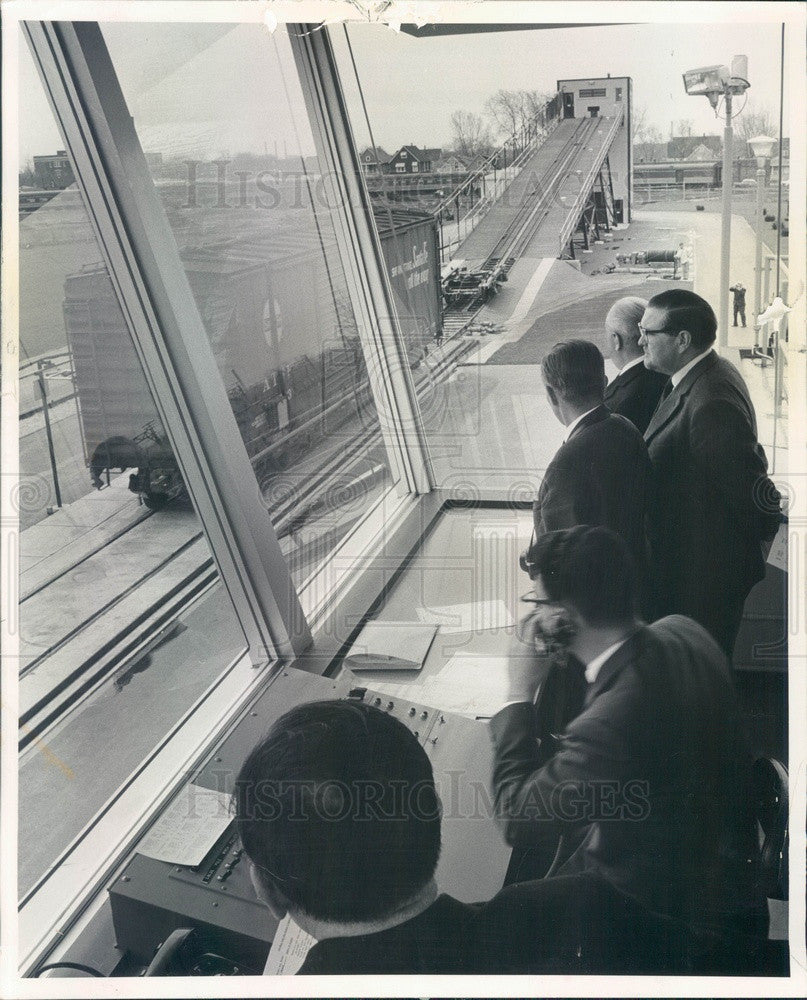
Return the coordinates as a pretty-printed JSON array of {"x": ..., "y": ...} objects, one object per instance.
[{"x": 490, "y": 180}]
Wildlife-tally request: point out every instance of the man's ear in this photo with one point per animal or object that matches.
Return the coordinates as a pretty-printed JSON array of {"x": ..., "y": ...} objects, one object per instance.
[
  {"x": 684, "y": 341},
  {"x": 616, "y": 340},
  {"x": 552, "y": 395},
  {"x": 268, "y": 893}
]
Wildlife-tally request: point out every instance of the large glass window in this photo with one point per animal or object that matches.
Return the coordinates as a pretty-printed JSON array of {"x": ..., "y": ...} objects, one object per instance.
[
  {"x": 122, "y": 616},
  {"x": 247, "y": 195}
]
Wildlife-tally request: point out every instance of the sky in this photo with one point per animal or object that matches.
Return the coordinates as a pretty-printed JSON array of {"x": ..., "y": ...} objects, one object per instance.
[
  {"x": 412, "y": 85},
  {"x": 213, "y": 90}
]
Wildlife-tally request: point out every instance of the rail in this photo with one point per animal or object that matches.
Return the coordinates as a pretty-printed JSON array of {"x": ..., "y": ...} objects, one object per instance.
[
  {"x": 772, "y": 336},
  {"x": 478, "y": 285},
  {"x": 521, "y": 145},
  {"x": 521, "y": 231},
  {"x": 573, "y": 217}
]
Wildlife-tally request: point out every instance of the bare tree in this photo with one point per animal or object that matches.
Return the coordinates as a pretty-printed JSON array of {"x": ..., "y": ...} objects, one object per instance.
[
  {"x": 641, "y": 129},
  {"x": 534, "y": 103},
  {"x": 685, "y": 127},
  {"x": 27, "y": 176},
  {"x": 757, "y": 120},
  {"x": 512, "y": 110},
  {"x": 469, "y": 133}
]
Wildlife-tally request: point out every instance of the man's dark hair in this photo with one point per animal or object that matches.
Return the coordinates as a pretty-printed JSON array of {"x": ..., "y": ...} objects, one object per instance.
[
  {"x": 587, "y": 568},
  {"x": 575, "y": 369},
  {"x": 687, "y": 311},
  {"x": 337, "y": 808}
]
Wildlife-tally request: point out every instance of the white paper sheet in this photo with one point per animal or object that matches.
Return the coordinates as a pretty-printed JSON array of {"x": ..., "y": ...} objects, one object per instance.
[
  {"x": 476, "y": 686},
  {"x": 476, "y": 616},
  {"x": 778, "y": 555},
  {"x": 289, "y": 948},
  {"x": 189, "y": 827}
]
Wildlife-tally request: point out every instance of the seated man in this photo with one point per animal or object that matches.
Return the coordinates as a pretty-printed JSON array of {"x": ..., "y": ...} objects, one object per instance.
[
  {"x": 338, "y": 812},
  {"x": 648, "y": 784}
]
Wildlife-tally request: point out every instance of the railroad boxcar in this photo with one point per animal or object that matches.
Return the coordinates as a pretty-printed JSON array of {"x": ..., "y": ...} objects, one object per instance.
[{"x": 282, "y": 332}]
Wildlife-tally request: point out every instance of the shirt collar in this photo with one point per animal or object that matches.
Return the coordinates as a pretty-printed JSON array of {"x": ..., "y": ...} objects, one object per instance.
[
  {"x": 631, "y": 364},
  {"x": 593, "y": 668},
  {"x": 676, "y": 378},
  {"x": 576, "y": 421}
]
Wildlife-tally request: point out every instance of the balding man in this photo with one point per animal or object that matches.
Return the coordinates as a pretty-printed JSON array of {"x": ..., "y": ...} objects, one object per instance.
[{"x": 636, "y": 390}]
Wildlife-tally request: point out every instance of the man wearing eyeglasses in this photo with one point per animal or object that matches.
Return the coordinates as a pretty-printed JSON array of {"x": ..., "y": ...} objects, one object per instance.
[{"x": 714, "y": 511}]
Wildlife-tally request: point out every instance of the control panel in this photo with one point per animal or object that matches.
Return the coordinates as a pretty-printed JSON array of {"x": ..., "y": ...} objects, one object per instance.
[{"x": 152, "y": 898}]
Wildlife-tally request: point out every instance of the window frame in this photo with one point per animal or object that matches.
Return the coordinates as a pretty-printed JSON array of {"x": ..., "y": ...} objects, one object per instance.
[{"x": 151, "y": 286}]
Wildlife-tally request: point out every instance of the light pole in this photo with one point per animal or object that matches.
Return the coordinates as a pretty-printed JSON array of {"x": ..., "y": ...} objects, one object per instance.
[
  {"x": 715, "y": 82},
  {"x": 762, "y": 147}
]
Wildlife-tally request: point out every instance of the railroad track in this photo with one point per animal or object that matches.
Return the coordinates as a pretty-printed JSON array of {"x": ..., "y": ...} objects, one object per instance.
[{"x": 475, "y": 287}]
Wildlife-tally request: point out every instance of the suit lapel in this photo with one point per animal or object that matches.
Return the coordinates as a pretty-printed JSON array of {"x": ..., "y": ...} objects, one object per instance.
[{"x": 669, "y": 407}]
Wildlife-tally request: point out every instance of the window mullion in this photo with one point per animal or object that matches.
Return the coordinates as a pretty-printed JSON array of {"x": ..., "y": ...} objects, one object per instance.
[
  {"x": 387, "y": 363},
  {"x": 168, "y": 333}
]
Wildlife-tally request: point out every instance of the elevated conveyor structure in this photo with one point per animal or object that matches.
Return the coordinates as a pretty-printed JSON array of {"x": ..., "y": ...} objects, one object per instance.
[{"x": 551, "y": 199}]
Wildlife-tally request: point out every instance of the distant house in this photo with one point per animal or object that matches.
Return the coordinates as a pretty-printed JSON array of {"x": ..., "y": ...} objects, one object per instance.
[
  {"x": 650, "y": 152},
  {"x": 54, "y": 173},
  {"x": 413, "y": 160},
  {"x": 451, "y": 163},
  {"x": 459, "y": 163},
  {"x": 703, "y": 154},
  {"x": 680, "y": 147},
  {"x": 374, "y": 160}
]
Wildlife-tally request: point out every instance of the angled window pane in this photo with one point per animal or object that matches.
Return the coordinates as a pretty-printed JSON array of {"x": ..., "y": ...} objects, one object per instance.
[
  {"x": 122, "y": 616},
  {"x": 234, "y": 159}
]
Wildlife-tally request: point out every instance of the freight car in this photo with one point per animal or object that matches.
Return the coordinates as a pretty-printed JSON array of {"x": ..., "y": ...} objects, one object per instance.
[{"x": 282, "y": 334}]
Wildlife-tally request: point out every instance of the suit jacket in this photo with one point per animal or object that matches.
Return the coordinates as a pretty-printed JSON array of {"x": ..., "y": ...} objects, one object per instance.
[
  {"x": 635, "y": 394},
  {"x": 574, "y": 924},
  {"x": 648, "y": 784},
  {"x": 600, "y": 476},
  {"x": 714, "y": 508}
]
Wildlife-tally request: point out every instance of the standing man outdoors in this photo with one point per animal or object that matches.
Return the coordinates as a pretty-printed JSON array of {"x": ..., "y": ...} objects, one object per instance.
[
  {"x": 648, "y": 784},
  {"x": 636, "y": 390},
  {"x": 715, "y": 511},
  {"x": 738, "y": 298}
]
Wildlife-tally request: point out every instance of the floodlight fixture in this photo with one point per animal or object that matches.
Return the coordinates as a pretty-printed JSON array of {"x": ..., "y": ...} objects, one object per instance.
[{"x": 716, "y": 83}]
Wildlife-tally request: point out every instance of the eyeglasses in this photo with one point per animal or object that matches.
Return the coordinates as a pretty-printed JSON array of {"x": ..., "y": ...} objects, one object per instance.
[
  {"x": 664, "y": 329},
  {"x": 531, "y": 598}
]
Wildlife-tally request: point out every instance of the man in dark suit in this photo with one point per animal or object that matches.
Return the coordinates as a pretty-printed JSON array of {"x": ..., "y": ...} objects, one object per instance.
[
  {"x": 647, "y": 784},
  {"x": 601, "y": 473},
  {"x": 636, "y": 390},
  {"x": 338, "y": 813},
  {"x": 715, "y": 511}
]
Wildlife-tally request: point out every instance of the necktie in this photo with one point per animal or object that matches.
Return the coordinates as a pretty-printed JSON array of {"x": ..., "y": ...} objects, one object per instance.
[{"x": 668, "y": 388}]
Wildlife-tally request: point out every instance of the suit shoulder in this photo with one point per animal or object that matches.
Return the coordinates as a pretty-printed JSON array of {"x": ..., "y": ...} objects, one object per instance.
[
  {"x": 680, "y": 629},
  {"x": 721, "y": 382}
]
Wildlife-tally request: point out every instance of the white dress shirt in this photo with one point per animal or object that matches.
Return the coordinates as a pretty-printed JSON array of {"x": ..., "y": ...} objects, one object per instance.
[
  {"x": 576, "y": 421},
  {"x": 627, "y": 367},
  {"x": 677, "y": 376},
  {"x": 593, "y": 668}
]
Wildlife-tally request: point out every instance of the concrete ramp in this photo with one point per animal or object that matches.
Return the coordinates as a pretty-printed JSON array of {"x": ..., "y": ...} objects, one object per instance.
[{"x": 541, "y": 208}]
